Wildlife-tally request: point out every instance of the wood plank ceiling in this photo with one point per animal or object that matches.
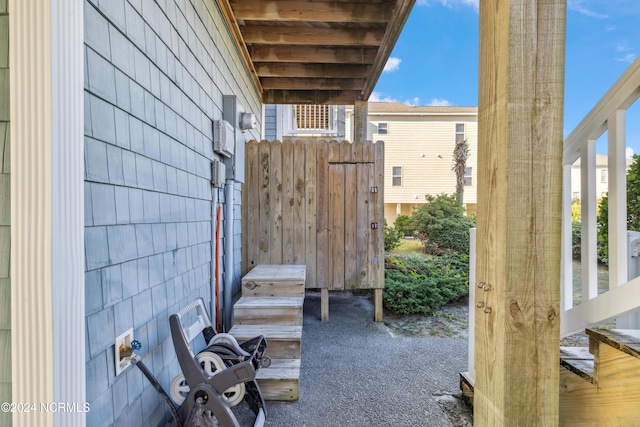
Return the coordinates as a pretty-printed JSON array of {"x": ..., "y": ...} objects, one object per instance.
[{"x": 315, "y": 52}]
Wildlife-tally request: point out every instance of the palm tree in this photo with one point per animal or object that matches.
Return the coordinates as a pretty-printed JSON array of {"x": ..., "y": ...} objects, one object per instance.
[{"x": 460, "y": 156}]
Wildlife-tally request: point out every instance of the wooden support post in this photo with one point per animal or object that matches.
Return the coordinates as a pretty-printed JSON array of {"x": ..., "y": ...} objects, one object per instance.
[
  {"x": 360, "y": 115},
  {"x": 324, "y": 304},
  {"x": 520, "y": 123},
  {"x": 377, "y": 304}
]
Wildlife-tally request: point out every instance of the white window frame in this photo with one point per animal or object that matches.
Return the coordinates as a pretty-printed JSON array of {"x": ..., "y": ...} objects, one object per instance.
[
  {"x": 383, "y": 128},
  {"x": 460, "y": 134},
  {"x": 468, "y": 176},
  {"x": 395, "y": 175}
]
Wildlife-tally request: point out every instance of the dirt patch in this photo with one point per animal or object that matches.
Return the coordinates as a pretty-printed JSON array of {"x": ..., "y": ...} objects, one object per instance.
[
  {"x": 451, "y": 321},
  {"x": 458, "y": 412}
]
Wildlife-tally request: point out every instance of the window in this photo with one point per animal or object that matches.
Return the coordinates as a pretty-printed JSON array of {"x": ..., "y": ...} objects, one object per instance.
[
  {"x": 459, "y": 132},
  {"x": 603, "y": 175},
  {"x": 468, "y": 176},
  {"x": 383, "y": 129},
  {"x": 396, "y": 176}
]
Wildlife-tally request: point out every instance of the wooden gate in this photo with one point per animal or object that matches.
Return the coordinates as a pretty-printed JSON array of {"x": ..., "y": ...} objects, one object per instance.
[{"x": 316, "y": 203}]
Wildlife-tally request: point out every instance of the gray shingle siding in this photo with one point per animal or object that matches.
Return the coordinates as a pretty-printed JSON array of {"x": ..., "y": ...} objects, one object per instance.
[{"x": 155, "y": 74}]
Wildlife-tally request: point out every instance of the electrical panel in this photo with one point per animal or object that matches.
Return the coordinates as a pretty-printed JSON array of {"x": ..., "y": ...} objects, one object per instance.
[
  {"x": 223, "y": 138},
  {"x": 218, "y": 174}
]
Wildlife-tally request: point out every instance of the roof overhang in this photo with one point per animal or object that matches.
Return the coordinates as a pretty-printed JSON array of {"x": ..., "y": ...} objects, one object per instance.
[{"x": 315, "y": 52}]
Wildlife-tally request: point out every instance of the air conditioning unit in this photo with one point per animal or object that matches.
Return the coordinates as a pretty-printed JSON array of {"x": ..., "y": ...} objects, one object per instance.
[{"x": 223, "y": 138}]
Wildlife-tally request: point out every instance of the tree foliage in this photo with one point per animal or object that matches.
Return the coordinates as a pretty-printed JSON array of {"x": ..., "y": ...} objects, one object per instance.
[{"x": 441, "y": 225}]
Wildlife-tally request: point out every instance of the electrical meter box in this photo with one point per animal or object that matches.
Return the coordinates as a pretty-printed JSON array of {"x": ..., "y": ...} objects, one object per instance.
[
  {"x": 224, "y": 139},
  {"x": 218, "y": 174}
]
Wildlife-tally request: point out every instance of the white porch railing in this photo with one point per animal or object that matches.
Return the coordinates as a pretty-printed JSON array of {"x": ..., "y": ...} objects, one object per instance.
[
  {"x": 622, "y": 298},
  {"x": 308, "y": 120}
]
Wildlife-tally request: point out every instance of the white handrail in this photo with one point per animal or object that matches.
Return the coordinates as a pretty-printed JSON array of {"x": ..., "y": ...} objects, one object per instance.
[{"x": 622, "y": 297}]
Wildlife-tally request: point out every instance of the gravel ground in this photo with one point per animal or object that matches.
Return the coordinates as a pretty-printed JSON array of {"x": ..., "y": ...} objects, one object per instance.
[{"x": 356, "y": 373}]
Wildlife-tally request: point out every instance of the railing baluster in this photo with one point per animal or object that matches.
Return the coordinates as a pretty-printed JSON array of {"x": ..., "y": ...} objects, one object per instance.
[
  {"x": 589, "y": 256},
  {"x": 566, "y": 269},
  {"x": 617, "y": 200}
]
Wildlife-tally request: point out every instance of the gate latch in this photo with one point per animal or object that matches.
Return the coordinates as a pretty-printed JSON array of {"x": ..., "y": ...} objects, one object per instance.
[
  {"x": 374, "y": 189},
  {"x": 374, "y": 225}
]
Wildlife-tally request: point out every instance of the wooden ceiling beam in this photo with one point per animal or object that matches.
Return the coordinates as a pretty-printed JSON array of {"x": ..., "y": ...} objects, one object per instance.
[
  {"x": 279, "y": 35},
  {"x": 234, "y": 29},
  {"x": 315, "y": 54},
  {"x": 394, "y": 27},
  {"x": 301, "y": 83},
  {"x": 297, "y": 69},
  {"x": 317, "y": 97},
  {"x": 311, "y": 11}
]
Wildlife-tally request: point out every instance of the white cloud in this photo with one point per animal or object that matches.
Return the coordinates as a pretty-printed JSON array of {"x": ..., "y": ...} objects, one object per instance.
[
  {"x": 450, "y": 3},
  {"x": 628, "y": 58},
  {"x": 392, "y": 64},
  {"x": 629, "y": 152},
  {"x": 380, "y": 97},
  {"x": 576, "y": 6},
  {"x": 439, "y": 102},
  {"x": 412, "y": 102}
]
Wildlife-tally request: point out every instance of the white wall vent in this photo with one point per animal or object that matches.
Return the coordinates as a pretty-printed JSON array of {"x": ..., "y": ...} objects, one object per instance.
[{"x": 223, "y": 138}]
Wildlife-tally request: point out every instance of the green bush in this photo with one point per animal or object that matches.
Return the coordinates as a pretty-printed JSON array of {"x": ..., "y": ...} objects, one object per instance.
[
  {"x": 415, "y": 285},
  {"x": 441, "y": 225},
  {"x": 603, "y": 230},
  {"x": 391, "y": 237},
  {"x": 451, "y": 234},
  {"x": 576, "y": 239},
  {"x": 403, "y": 225}
]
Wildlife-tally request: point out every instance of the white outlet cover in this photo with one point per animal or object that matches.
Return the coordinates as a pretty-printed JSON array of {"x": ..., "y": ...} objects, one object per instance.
[{"x": 124, "y": 338}]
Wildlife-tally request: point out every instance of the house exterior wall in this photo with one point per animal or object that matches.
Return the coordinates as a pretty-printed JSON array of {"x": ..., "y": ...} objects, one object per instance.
[
  {"x": 422, "y": 144},
  {"x": 155, "y": 76},
  {"x": 601, "y": 176},
  {"x": 5, "y": 218}
]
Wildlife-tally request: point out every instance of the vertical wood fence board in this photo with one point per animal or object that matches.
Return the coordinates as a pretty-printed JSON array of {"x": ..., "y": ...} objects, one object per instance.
[
  {"x": 322, "y": 216},
  {"x": 334, "y": 152},
  {"x": 368, "y": 152},
  {"x": 356, "y": 152},
  {"x": 251, "y": 220},
  {"x": 276, "y": 198},
  {"x": 299, "y": 205},
  {"x": 363, "y": 226},
  {"x": 350, "y": 227},
  {"x": 378, "y": 234},
  {"x": 310, "y": 215},
  {"x": 287, "y": 203},
  {"x": 345, "y": 152},
  {"x": 264, "y": 203},
  {"x": 336, "y": 225}
]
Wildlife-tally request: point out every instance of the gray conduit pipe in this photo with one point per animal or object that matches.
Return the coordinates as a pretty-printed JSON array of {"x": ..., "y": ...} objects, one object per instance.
[{"x": 228, "y": 254}]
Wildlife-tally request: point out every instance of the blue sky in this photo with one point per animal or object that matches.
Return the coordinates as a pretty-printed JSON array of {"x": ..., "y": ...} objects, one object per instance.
[{"x": 435, "y": 61}]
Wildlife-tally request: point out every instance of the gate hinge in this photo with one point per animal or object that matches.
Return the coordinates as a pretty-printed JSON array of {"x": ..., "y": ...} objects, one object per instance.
[
  {"x": 374, "y": 189},
  {"x": 374, "y": 225}
]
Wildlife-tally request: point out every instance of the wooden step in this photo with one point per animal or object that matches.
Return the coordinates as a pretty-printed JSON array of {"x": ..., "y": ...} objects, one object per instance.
[
  {"x": 270, "y": 280},
  {"x": 283, "y": 342},
  {"x": 268, "y": 311},
  {"x": 579, "y": 361},
  {"x": 611, "y": 397},
  {"x": 281, "y": 380}
]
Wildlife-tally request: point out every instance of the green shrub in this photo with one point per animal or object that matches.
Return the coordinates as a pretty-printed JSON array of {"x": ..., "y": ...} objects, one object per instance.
[
  {"x": 603, "y": 230},
  {"x": 415, "y": 285},
  {"x": 403, "y": 225},
  {"x": 391, "y": 237},
  {"x": 451, "y": 234},
  {"x": 441, "y": 225},
  {"x": 576, "y": 239}
]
